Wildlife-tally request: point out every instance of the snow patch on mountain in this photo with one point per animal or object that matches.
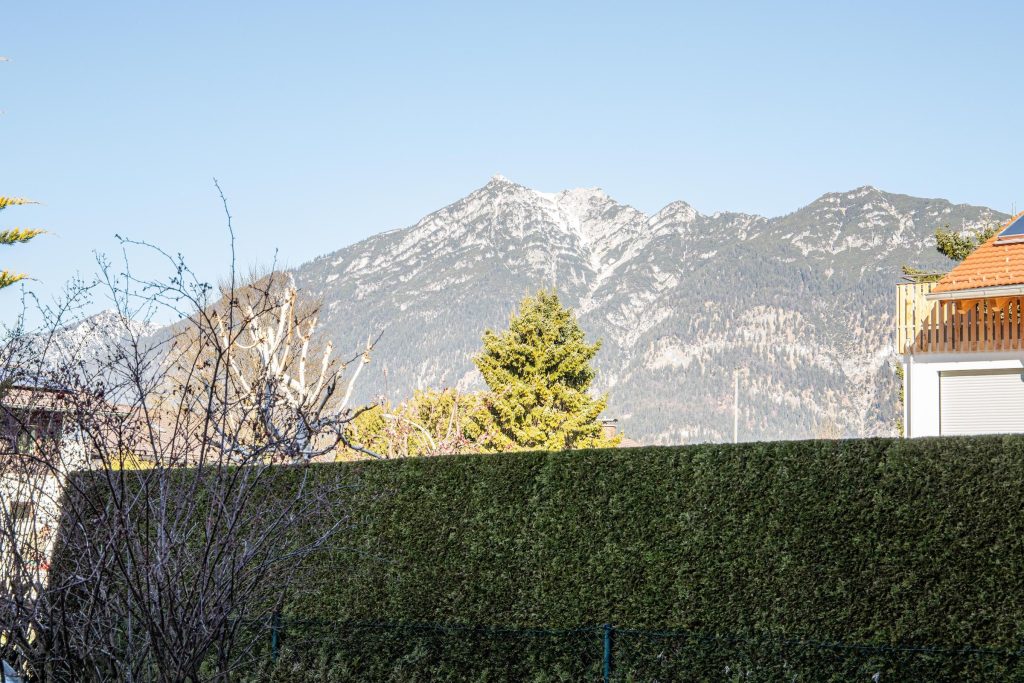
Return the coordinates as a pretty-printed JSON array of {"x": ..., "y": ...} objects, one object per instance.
[{"x": 801, "y": 303}]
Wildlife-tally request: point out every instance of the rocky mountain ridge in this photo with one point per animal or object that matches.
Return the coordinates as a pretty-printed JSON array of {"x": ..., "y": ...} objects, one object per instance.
[{"x": 800, "y": 305}]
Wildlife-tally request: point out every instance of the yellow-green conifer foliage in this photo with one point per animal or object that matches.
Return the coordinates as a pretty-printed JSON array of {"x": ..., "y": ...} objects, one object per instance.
[
  {"x": 539, "y": 375},
  {"x": 14, "y": 236}
]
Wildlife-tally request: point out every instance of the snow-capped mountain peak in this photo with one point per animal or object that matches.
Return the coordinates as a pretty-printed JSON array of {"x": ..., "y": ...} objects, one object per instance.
[{"x": 802, "y": 301}]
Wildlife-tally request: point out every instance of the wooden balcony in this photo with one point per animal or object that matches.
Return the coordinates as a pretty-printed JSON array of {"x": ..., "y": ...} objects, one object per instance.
[{"x": 922, "y": 326}]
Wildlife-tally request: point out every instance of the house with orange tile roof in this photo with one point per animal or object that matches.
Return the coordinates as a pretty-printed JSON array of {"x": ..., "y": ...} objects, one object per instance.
[{"x": 961, "y": 341}]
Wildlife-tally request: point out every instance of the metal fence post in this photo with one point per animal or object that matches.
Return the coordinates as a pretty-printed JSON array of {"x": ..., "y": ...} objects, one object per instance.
[
  {"x": 275, "y": 636},
  {"x": 607, "y": 668}
]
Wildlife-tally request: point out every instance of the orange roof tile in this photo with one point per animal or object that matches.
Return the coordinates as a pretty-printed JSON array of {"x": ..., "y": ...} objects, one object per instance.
[{"x": 990, "y": 265}]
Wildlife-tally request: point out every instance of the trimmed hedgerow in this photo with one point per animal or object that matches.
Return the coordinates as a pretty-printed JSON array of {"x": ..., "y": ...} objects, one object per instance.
[
  {"x": 890, "y": 542},
  {"x": 873, "y": 540},
  {"x": 754, "y": 550}
]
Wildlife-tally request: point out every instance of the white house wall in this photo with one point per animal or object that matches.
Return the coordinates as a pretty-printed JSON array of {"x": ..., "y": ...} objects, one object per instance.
[
  {"x": 921, "y": 383},
  {"x": 44, "y": 491}
]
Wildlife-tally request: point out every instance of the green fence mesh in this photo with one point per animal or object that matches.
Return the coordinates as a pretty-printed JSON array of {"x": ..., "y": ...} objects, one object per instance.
[{"x": 315, "y": 651}]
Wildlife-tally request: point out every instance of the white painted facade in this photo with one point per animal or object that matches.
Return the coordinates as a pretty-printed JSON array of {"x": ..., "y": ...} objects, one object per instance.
[
  {"x": 922, "y": 378},
  {"x": 36, "y": 494}
]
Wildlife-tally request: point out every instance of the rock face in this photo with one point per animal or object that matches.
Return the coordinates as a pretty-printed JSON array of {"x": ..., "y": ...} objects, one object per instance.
[{"x": 802, "y": 304}]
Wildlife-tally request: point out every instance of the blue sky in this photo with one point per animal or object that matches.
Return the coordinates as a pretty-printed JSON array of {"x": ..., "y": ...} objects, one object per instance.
[{"x": 327, "y": 122}]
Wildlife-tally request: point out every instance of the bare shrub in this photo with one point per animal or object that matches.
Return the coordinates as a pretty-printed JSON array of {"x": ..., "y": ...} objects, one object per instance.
[{"x": 157, "y": 496}]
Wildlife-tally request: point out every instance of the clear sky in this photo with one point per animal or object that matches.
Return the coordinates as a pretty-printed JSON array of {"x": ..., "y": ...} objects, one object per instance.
[{"x": 327, "y": 122}]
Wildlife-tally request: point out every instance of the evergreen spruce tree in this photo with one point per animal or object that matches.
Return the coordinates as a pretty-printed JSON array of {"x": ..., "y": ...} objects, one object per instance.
[
  {"x": 538, "y": 372},
  {"x": 956, "y": 246},
  {"x": 14, "y": 236}
]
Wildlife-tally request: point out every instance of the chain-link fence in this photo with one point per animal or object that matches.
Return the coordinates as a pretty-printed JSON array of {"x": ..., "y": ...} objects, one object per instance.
[{"x": 318, "y": 651}]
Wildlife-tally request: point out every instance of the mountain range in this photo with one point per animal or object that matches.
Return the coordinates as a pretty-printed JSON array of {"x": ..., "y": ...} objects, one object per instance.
[{"x": 798, "y": 309}]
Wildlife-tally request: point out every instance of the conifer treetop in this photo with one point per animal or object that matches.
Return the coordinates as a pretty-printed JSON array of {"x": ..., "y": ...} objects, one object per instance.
[
  {"x": 539, "y": 374},
  {"x": 15, "y": 236}
]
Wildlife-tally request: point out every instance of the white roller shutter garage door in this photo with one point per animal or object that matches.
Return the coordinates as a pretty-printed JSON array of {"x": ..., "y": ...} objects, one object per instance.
[{"x": 981, "y": 402}]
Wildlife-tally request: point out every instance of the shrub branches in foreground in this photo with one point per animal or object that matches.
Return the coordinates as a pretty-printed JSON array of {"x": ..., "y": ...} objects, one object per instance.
[{"x": 176, "y": 539}]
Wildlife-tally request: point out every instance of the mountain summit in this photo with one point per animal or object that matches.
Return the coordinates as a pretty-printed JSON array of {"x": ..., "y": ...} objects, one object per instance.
[{"x": 801, "y": 305}]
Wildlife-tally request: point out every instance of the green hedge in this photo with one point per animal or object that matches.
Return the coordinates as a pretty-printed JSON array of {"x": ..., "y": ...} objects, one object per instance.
[
  {"x": 888, "y": 542},
  {"x": 871, "y": 540},
  {"x": 772, "y": 560}
]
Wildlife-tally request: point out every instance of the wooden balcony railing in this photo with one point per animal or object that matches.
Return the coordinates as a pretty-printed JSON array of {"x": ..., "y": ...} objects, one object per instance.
[{"x": 923, "y": 326}]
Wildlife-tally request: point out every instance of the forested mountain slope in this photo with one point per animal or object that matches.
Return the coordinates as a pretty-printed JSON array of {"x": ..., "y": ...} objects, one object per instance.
[{"x": 802, "y": 304}]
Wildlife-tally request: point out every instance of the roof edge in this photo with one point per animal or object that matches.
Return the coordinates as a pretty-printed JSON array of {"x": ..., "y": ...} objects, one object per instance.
[{"x": 976, "y": 293}]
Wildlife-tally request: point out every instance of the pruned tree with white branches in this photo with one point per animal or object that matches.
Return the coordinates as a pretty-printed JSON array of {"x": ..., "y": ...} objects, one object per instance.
[{"x": 175, "y": 493}]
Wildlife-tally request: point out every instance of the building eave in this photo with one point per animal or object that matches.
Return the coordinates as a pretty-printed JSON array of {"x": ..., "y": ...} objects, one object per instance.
[{"x": 977, "y": 293}]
